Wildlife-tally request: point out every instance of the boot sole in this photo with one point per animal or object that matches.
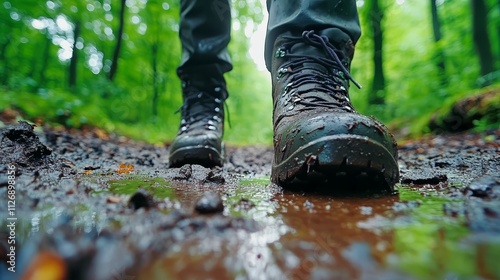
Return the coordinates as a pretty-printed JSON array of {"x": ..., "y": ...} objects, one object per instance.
[
  {"x": 339, "y": 163},
  {"x": 202, "y": 155}
]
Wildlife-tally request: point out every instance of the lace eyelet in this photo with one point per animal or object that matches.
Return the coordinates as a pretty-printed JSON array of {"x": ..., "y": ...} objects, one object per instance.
[
  {"x": 279, "y": 53},
  {"x": 281, "y": 72}
]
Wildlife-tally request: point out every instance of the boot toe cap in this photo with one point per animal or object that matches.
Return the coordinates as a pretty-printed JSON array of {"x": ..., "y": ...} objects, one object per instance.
[{"x": 334, "y": 142}]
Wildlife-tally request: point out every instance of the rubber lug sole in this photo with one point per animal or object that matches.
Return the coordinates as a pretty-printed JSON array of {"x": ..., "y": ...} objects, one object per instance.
[
  {"x": 339, "y": 163},
  {"x": 202, "y": 155}
]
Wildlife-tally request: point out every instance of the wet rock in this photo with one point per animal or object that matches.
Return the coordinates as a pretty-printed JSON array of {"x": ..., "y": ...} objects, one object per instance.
[
  {"x": 184, "y": 172},
  {"x": 141, "y": 199},
  {"x": 20, "y": 145},
  {"x": 484, "y": 187},
  {"x": 210, "y": 202},
  {"x": 199, "y": 173},
  {"x": 423, "y": 176},
  {"x": 215, "y": 176},
  {"x": 190, "y": 172}
]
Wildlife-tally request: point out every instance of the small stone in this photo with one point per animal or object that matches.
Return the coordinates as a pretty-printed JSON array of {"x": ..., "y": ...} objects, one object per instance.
[
  {"x": 184, "y": 172},
  {"x": 140, "y": 199},
  {"x": 308, "y": 205},
  {"x": 215, "y": 177},
  {"x": 210, "y": 202},
  {"x": 113, "y": 199}
]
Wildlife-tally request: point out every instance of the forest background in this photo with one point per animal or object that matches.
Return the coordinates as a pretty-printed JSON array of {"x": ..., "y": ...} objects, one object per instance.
[{"x": 111, "y": 64}]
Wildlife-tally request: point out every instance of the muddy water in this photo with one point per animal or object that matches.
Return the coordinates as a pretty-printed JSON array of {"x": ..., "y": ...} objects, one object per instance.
[
  {"x": 409, "y": 234},
  {"x": 303, "y": 235},
  {"x": 300, "y": 236}
]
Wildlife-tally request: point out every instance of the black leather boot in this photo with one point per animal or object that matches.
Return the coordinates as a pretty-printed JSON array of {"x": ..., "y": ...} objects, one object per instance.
[
  {"x": 205, "y": 28},
  {"x": 199, "y": 140},
  {"x": 318, "y": 135}
]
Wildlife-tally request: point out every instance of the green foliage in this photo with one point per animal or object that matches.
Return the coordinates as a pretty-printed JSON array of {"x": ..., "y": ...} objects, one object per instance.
[
  {"x": 36, "y": 40},
  {"x": 141, "y": 102},
  {"x": 414, "y": 88}
]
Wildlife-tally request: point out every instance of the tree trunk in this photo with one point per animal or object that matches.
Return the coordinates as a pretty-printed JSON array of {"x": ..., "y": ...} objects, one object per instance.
[
  {"x": 481, "y": 37},
  {"x": 73, "y": 63},
  {"x": 4, "y": 75},
  {"x": 45, "y": 62},
  {"x": 436, "y": 28},
  {"x": 154, "y": 64},
  {"x": 116, "y": 52},
  {"x": 377, "y": 94}
]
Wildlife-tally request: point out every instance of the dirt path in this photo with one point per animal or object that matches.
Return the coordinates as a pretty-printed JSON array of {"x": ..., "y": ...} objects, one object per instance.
[{"x": 90, "y": 206}]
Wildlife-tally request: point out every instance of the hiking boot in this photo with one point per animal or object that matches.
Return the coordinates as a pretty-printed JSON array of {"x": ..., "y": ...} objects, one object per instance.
[
  {"x": 199, "y": 140},
  {"x": 318, "y": 135}
]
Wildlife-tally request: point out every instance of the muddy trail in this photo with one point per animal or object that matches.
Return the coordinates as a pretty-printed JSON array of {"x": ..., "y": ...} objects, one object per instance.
[{"x": 93, "y": 206}]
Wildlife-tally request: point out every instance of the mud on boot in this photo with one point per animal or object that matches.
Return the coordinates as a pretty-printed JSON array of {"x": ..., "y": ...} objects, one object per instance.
[
  {"x": 199, "y": 140},
  {"x": 319, "y": 137}
]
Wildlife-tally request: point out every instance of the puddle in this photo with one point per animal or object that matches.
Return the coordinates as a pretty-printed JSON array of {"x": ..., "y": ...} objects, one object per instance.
[
  {"x": 403, "y": 236},
  {"x": 438, "y": 246},
  {"x": 407, "y": 235}
]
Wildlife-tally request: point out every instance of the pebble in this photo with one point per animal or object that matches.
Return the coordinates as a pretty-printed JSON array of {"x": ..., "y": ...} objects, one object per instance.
[
  {"x": 210, "y": 202},
  {"x": 140, "y": 199}
]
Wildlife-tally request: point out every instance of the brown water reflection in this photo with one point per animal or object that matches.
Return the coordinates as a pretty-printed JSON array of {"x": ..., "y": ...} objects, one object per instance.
[{"x": 301, "y": 236}]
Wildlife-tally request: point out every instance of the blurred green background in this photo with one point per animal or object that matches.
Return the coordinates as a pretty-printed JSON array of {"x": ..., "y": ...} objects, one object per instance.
[{"x": 111, "y": 64}]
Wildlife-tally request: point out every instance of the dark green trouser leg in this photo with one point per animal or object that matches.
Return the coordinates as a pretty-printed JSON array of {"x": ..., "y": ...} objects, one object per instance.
[
  {"x": 299, "y": 15},
  {"x": 205, "y": 30}
]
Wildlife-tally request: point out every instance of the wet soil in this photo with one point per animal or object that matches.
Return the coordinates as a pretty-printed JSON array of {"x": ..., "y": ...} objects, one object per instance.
[{"x": 94, "y": 206}]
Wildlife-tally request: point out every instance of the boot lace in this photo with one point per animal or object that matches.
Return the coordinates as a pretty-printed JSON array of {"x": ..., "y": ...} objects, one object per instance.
[
  {"x": 336, "y": 95},
  {"x": 201, "y": 110}
]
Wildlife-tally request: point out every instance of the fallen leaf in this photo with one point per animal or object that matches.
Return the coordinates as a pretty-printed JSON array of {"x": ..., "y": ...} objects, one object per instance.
[
  {"x": 125, "y": 168},
  {"x": 47, "y": 266},
  {"x": 101, "y": 134}
]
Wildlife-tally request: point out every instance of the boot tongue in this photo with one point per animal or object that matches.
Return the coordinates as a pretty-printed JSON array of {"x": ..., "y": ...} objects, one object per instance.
[
  {"x": 308, "y": 50},
  {"x": 336, "y": 37}
]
